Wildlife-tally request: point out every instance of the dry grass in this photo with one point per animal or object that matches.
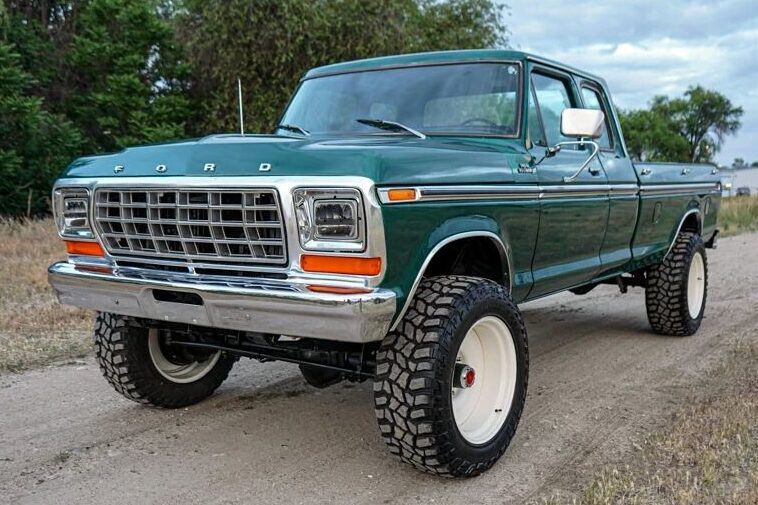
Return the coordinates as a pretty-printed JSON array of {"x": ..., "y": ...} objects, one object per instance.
[
  {"x": 738, "y": 215},
  {"x": 34, "y": 328},
  {"x": 708, "y": 455}
]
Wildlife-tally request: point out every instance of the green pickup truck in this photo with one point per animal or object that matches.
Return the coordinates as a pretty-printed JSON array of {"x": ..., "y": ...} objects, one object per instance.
[{"x": 385, "y": 231}]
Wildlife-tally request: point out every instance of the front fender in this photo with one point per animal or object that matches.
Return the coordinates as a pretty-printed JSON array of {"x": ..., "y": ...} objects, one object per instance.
[{"x": 410, "y": 247}]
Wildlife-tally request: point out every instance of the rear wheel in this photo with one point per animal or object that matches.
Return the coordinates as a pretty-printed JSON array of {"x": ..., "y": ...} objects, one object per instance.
[
  {"x": 451, "y": 380},
  {"x": 678, "y": 287},
  {"x": 137, "y": 361}
]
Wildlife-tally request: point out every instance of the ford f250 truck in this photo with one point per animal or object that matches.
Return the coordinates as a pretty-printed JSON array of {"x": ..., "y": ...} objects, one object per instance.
[{"x": 387, "y": 231}]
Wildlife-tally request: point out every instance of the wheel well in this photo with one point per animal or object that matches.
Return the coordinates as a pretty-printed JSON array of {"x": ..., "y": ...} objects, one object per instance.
[
  {"x": 474, "y": 256},
  {"x": 691, "y": 223}
]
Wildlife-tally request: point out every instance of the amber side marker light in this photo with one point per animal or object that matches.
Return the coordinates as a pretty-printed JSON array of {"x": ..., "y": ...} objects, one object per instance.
[
  {"x": 401, "y": 195},
  {"x": 84, "y": 248},
  {"x": 350, "y": 265},
  {"x": 338, "y": 290}
]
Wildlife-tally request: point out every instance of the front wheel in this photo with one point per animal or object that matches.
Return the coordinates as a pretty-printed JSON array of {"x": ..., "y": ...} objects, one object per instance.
[
  {"x": 140, "y": 364},
  {"x": 451, "y": 380},
  {"x": 678, "y": 287}
]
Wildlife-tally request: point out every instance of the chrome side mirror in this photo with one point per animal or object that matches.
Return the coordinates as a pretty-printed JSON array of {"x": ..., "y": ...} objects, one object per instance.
[{"x": 582, "y": 123}]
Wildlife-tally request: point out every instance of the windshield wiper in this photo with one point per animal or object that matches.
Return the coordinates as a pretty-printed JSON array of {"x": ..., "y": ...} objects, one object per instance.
[
  {"x": 293, "y": 128},
  {"x": 392, "y": 126}
]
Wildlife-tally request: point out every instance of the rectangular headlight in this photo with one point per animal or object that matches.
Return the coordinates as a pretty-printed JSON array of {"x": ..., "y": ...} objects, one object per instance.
[
  {"x": 330, "y": 219},
  {"x": 336, "y": 219},
  {"x": 71, "y": 209}
]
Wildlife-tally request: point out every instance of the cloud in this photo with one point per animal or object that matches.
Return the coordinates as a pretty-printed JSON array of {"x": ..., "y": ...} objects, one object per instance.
[{"x": 647, "y": 48}]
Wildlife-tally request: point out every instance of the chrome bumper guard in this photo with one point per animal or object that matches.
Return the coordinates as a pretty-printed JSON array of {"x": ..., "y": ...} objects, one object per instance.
[{"x": 274, "y": 307}]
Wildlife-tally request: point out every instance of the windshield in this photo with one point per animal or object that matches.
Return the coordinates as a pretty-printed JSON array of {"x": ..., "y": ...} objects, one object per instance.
[{"x": 467, "y": 99}]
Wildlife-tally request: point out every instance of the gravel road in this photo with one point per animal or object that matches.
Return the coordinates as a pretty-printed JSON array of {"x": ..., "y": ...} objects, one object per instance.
[{"x": 598, "y": 378}]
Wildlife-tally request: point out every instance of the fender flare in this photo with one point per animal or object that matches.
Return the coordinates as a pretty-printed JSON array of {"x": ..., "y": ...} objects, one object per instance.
[
  {"x": 498, "y": 241},
  {"x": 699, "y": 218}
]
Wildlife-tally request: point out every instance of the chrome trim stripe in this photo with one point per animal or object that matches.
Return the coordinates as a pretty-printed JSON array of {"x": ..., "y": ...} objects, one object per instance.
[
  {"x": 574, "y": 191},
  {"x": 435, "y": 250},
  {"x": 525, "y": 192},
  {"x": 624, "y": 190},
  {"x": 432, "y": 193},
  {"x": 658, "y": 189}
]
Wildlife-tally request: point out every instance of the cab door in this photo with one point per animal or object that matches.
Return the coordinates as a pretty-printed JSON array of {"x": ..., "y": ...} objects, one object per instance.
[
  {"x": 573, "y": 213},
  {"x": 616, "y": 251}
]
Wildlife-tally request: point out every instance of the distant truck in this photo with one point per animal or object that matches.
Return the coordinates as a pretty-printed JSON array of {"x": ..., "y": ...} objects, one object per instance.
[
  {"x": 385, "y": 231},
  {"x": 743, "y": 191}
]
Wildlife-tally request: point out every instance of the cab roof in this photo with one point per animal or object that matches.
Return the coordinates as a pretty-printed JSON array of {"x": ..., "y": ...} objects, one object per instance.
[{"x": 440, "y": 57}]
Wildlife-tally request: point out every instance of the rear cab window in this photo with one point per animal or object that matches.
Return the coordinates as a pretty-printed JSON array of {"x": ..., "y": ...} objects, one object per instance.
[{"x": 593, "y": 99}]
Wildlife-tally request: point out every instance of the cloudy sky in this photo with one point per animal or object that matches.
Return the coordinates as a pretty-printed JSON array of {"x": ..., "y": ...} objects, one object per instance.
[{"x": 644, "y": 48}]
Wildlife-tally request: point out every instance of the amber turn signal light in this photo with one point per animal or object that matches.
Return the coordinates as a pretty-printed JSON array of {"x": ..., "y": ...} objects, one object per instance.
[
  {"x": 401, "y": 194},
  {"x": 351, "y": 265},
  {"x": 84, "y": 248}
]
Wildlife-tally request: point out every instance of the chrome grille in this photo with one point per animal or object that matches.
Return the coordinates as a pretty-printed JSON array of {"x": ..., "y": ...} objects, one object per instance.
[{"x": 195, "y": 224}]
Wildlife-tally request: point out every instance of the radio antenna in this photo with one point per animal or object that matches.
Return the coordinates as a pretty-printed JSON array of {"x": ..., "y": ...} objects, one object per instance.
[{"x": 239, "y": 96}]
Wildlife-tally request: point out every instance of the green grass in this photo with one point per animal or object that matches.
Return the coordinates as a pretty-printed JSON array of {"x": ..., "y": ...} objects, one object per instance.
[{"x": 738, "y": 215}]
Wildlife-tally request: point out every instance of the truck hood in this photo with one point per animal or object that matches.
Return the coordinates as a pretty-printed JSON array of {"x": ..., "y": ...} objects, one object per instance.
[{"x": 384, "y": 159}]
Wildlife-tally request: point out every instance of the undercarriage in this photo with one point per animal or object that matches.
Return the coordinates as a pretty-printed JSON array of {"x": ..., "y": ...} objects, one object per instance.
[{"x": 323, "y": 362}]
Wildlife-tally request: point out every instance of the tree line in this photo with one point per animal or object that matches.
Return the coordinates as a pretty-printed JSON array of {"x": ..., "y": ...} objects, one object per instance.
[{"x": 92, "y": 76}]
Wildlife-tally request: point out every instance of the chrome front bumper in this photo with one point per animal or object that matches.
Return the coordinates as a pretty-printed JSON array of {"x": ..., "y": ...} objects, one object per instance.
[{"x": 268, "y": 307}]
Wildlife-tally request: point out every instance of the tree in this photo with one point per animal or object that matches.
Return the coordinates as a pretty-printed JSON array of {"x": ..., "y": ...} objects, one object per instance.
[
  {"x": 126, "y": 77},
  {"x": 112, "y": 67},
  {"x": 651, "y": 136},
  {"x": 739, "y": 163},
  {"x": 754, "y": 164},
  {"x": 701, "y": 119},
  {"x": 269, "y": 44},
  {"x": 34, "y": 144}
]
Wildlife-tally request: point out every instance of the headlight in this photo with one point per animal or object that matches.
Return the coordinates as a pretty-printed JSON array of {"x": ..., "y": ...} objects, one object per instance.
[
  {"x": 330, "y": 219},
  {"x": 71, "y": 209}
]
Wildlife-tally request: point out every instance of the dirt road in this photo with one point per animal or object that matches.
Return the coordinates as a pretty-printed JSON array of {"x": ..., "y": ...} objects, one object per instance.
[{"x": 598, "y": 377}]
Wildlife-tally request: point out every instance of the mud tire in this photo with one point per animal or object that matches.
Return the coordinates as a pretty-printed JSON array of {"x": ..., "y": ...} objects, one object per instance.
[
  {"x": 666, "y": 294},
  {"x": 412, "y": 389},
  {"x": 121, "y": 348}
]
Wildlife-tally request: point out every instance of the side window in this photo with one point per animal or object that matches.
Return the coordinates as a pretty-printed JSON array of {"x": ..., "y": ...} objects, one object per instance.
[
  {"x": 536, "y": 133},
  {"x": 552, "y": 98},
  {"x": 592, "y": 100}
]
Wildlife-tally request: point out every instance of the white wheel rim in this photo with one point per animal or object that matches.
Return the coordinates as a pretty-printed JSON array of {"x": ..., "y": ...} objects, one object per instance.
[
  {"x": 696, "y": 285},
  {"x": 181, "y": 374},
  {"x": 481, "y": 410}
]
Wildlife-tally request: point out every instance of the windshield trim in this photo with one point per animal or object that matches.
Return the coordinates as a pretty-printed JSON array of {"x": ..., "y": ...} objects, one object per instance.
[{"x": 519, "y": 91}]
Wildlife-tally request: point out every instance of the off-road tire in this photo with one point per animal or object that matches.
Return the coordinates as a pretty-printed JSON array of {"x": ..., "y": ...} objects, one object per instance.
[
  {"x": 412, "y": 388},
  {"x": 121, "y": 348},
  {"x": 666, "y": 291}
]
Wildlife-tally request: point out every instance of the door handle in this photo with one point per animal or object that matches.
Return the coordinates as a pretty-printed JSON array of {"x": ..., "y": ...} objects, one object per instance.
[
  {"x": 646, "y": 171},
  {"x": 593, "y": 171}
]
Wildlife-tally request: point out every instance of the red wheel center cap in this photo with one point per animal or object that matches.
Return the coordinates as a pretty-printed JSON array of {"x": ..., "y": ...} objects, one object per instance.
[
  {"x": 469, "y": 377},
  {"x": 464, "y": 376}
]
